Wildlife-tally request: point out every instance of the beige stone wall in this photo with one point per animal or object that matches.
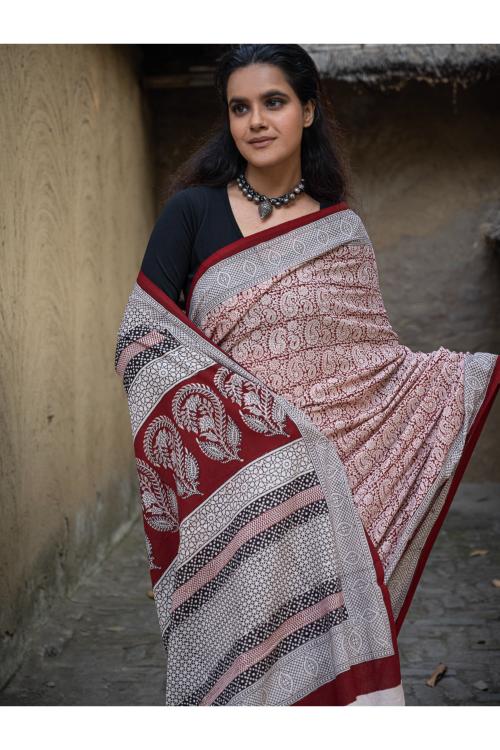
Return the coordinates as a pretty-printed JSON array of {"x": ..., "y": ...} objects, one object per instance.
[{"x": 76, "y": 208}]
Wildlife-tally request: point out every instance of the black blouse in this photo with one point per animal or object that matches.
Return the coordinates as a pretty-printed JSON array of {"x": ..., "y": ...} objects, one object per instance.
[{"x": 193, "y": 224}]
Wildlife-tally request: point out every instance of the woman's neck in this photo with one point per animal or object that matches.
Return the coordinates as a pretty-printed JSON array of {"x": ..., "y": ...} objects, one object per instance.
[{"x": 273, "y": 181}]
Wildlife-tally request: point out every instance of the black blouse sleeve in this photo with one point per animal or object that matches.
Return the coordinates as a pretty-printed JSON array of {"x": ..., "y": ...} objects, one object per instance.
[{"x": 167, "y": 258}]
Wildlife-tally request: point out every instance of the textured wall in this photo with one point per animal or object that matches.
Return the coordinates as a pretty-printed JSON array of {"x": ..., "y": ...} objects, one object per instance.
[{"x": 76, "y": 208}]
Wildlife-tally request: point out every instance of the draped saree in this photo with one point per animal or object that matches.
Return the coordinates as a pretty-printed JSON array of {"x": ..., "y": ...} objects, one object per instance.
[{"x": 295, "y": 464}]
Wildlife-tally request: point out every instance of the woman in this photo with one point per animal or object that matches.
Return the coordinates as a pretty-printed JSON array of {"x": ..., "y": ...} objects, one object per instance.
[{"x": 296, "y": 461}]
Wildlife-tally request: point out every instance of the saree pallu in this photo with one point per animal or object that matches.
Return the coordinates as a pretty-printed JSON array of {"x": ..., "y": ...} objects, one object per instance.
[{"x": 295, "y": 464}]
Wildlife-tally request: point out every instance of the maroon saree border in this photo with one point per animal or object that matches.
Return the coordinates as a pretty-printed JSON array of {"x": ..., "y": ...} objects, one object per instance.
[
  {"x": 261, "y": 236},
  {"x": 168, "y": 303},
  {"x": 470, "y": 443},
  {"x": 357, "y": 681}
]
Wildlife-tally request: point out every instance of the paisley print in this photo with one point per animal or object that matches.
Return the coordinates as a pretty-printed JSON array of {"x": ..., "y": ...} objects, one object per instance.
[{"x": 319, "y": 335}]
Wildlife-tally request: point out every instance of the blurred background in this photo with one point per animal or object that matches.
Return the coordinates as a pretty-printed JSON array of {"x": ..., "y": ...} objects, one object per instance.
[{"x": 89, "y": 136}]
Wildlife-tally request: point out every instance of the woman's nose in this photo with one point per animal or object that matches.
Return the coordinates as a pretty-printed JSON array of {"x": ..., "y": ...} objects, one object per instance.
[{"x": 256, "y": 117}]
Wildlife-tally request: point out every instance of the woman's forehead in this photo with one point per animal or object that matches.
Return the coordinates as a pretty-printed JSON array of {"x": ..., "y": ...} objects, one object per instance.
[{"x": 255, "y": 80}]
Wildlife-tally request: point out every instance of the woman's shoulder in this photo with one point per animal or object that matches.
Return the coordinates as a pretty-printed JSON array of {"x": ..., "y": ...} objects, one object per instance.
[
  {"x": 193, "y": 197},
  {"x": 185, "y": 210}
]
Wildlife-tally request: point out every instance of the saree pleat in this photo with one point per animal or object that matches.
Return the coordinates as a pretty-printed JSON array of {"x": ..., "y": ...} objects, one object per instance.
[{"x": 295, "y": 464}]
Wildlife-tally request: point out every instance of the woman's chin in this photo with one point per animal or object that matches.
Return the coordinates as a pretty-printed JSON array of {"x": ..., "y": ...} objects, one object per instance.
[{"x": 264, "y": 160}]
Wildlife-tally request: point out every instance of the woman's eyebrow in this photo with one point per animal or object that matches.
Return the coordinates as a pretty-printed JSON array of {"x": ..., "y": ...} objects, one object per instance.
[{"x": 272, "y": 92}]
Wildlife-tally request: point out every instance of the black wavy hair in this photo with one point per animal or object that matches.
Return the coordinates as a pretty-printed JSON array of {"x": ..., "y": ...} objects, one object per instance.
[{"x": 324, "y": 162}]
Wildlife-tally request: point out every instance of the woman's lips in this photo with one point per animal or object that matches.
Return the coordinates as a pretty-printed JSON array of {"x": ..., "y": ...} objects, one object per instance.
[{"x": 262, "y": 144}]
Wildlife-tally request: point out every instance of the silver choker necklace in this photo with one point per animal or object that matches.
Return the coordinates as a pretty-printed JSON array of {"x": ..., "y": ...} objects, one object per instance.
[{"x": 266, "y": 204}]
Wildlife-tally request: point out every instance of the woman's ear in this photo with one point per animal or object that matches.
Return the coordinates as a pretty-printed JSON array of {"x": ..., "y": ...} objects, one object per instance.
[{"x": 309, "y": 113}]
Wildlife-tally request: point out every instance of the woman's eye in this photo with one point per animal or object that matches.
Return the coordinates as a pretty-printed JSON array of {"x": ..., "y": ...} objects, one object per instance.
[{"x": 236, "y": 107}]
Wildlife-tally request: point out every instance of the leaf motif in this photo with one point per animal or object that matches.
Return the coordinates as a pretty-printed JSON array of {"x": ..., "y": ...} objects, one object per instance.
[
  {"x": 233, "y": 434},
  {"x": 213, "y": 451},
  {"x": 235, "y": 389},
  {"x": 220, "y": 419},
  {"x": 210, "y": 435},
  {"x": 148, "y": 499},
  {"x": 255, "y": 423},
  {"x": 255, "y": 410},
  {"x": 164, "y": 522},
  {"x": 192, "y": 468},
  {"x": 159, "y": 502},
  {"x": 149, "y": 548},
  {"x": 161, "y": 446},
  {"x": 206, "y": 423},
  {"x": 278, "y": 412},
  {"x": 183, "y": 489},
  {"x": 251, "y": 398}
]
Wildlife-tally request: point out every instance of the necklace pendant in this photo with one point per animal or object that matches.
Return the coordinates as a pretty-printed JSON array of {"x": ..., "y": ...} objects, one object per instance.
[{"x": 265, "y": 208}]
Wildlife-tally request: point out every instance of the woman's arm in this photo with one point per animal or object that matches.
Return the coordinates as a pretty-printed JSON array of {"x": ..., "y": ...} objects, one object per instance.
[{"x": 167, "y": 258}]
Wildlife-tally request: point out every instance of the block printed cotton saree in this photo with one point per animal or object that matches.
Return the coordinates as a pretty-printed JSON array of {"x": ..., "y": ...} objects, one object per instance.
[{"x": 295, "y": 464}]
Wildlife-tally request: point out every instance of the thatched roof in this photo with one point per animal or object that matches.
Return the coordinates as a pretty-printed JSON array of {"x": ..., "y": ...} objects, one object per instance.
[{"x": 393, "y": 64}]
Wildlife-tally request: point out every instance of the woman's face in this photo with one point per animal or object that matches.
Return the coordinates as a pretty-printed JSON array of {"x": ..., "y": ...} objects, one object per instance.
[{"x": 261, "y": 104}]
